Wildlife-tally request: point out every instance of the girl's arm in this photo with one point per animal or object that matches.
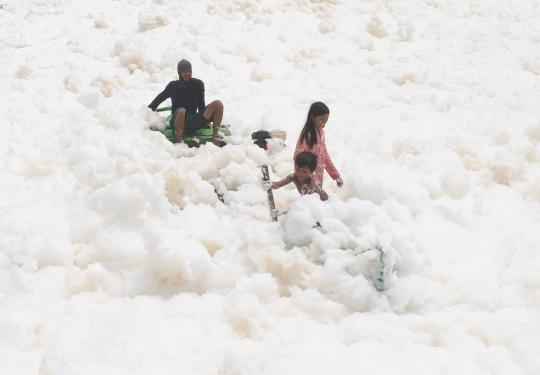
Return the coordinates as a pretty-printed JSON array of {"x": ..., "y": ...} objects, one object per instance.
[
  {"x": 283, "y": 182},
  {"x": 301, "y": 146},
  {"x": 329, "y": 165}
]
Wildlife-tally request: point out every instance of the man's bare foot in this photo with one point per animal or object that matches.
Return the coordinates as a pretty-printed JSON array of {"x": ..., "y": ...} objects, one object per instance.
[{"x": 218, "y": 142}]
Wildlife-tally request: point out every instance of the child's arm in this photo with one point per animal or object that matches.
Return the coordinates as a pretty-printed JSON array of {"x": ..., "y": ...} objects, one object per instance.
[
  {"x": 283, "y": 182},
  {"x": 322, "y": 194}
]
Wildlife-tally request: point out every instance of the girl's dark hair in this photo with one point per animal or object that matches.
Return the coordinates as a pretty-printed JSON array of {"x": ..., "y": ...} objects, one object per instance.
[
  {"x": 306, "y": 159},
  {"x": 309, "y": 133}
]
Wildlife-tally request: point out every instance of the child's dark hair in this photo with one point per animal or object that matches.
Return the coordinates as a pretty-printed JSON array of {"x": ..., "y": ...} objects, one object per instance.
[
  {"x": 306, "y": 159},
  {"x": 309, "y": 133}
]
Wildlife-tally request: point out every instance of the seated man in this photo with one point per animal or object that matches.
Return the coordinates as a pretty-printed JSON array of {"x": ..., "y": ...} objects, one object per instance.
[{"x": 189, "y": 112}]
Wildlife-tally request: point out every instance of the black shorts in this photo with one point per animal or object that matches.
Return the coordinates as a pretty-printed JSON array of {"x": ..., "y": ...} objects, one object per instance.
[{"x": 193, "y": 122}]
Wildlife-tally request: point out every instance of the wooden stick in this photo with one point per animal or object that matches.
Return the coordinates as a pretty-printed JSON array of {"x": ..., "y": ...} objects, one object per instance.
[{"x": 269, "y": 193}]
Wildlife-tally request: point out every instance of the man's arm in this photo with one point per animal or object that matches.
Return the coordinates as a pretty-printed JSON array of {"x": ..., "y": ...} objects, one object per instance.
[
  {"x": 160, "y": 98},
  {"x": 201, "y": 103}
]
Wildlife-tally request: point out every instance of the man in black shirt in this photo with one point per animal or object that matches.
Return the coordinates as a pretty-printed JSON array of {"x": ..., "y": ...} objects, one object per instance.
[{"x": 189, "y": 112}]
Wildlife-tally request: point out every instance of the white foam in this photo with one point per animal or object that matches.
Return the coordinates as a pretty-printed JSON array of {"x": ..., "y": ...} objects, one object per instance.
[{"x": 118, "y": 257}]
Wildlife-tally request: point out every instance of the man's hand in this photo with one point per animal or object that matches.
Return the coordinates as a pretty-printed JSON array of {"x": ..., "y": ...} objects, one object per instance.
[
  {"x": 339, "y": 182},
  {"x": 151, "y": 117}
]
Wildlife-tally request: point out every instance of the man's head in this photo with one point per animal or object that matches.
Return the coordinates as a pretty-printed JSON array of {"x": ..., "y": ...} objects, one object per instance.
[
  {"x": 184, "y": 70},
  {"x": 305, "y": 164}
]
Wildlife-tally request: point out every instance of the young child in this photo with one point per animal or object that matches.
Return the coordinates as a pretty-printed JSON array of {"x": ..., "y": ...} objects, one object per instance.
[
  {"x": 305, "y": 164},
  {"x": 312, "y": 139}
]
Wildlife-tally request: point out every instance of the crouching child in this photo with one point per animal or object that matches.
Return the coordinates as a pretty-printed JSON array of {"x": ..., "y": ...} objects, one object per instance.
[{"x": 305, "y": 164}]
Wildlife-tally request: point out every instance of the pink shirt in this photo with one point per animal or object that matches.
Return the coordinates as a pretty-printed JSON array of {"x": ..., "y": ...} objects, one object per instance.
[{"x": 323, "y": 159}]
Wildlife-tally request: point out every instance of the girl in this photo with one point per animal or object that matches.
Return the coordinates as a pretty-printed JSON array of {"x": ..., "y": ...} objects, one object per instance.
[{"x": 312, "y": 139}]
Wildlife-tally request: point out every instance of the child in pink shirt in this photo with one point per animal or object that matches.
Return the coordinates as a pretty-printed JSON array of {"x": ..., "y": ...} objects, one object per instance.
[
  {"x": 312, "y": 139},
  {"x": 305, "y": 164}
]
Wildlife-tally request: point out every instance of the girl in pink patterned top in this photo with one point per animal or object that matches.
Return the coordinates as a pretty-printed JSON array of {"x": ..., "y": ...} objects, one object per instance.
[{"x": 312, "y": 139}]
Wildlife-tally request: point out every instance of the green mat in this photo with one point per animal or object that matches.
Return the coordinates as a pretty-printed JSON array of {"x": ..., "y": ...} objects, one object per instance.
[{"x": 200, "y": 137}]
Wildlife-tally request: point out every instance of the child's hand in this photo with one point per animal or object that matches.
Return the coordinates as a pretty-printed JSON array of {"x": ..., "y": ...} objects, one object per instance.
[{"x": 339, "y": 182}]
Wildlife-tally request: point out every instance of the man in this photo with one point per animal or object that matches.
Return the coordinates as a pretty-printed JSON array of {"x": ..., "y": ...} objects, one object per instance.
[{"x": 189, "y": 112}]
